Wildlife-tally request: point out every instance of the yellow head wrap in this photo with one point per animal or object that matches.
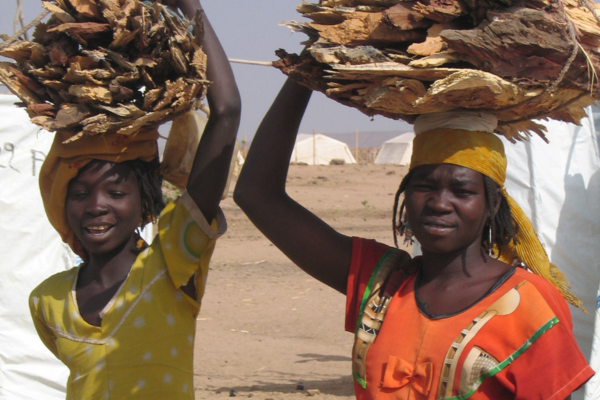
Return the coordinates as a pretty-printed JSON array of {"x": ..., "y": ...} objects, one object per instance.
[
  {"x": 66, "y": 159},
  {"x": 484, "y": 152}
]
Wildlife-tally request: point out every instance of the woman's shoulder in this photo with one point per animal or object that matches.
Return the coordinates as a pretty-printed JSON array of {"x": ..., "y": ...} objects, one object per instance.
[
  {"x": 552, "y": 297},
  {"x": 370, "y": 248},
  {"x": 56, "y": 286}
]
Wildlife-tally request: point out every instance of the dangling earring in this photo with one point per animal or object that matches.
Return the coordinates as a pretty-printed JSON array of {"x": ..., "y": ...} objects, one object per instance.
[
  {"x": 407, "y": 233},
  {"x": 490, "y": 243}
]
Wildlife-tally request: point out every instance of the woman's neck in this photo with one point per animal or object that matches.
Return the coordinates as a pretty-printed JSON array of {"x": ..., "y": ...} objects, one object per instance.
[
  {"x": 466, "y": 263},
  {"x": 108, "y": 268}
]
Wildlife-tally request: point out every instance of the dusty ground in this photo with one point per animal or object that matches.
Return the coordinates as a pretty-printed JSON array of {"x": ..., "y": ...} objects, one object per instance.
[{"x": 269, "y": 331}]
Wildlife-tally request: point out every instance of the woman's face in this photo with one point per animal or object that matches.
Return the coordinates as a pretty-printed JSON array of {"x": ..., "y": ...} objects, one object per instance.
[
  {"x": 446, "y": 207},
  {"x": 104, "y": 206}
]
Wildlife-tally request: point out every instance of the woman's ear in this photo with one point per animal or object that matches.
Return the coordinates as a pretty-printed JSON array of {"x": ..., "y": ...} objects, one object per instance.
[{"x": 497, "y": 200}]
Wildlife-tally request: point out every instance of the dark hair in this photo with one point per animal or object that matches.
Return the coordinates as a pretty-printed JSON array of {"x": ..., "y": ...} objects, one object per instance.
[
  {"x": 150, "y": 184},
  {"x": 503, "y": 226}
]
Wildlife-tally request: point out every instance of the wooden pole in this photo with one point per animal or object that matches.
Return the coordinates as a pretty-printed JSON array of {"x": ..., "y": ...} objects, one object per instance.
[
  {"x": 19, "y": 18},
  {"x": 314, "y": 148},
  {"x": 356, "y": 148},
  {"x": 263, "y": 63}
]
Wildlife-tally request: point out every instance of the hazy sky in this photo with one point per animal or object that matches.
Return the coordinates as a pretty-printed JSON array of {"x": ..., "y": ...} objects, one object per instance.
[{"x": 248, "y": 29}]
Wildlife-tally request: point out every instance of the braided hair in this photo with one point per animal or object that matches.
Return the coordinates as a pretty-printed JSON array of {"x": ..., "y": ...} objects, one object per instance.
[
  {"x": 503, "y": 226},
  {"x": 150, "y": 184}
]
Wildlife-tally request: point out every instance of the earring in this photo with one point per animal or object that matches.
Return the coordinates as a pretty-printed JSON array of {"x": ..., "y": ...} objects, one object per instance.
[
  {"x": 407, "y": 233},
  {"x": 490, "y": 243}
]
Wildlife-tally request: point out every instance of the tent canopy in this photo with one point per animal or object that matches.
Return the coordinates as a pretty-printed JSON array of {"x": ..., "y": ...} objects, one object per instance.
[
  {"x": 320, "y": 150},
  {"x": 397, "y": 150}
]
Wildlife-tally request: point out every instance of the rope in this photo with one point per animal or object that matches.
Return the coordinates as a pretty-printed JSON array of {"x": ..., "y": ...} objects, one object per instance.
[
  {"x": 573, "y": 36},
  {"x": 30, "y": 25}
]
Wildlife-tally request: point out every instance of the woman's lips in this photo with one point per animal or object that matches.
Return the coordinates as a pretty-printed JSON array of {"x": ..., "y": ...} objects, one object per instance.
[
  {"x": 437, "y": 226},
  {"x": 97, "y": 230}
]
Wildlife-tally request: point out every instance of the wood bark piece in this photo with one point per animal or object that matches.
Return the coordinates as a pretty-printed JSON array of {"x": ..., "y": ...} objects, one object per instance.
[
  {"x": 366, "y": 28},
  {"x": 86, "y": 30},
  {"x": 391, "y": 69},
  {"x": 324, "y": 15},
  {"x": 525, "y": 43},
  {"x": 354, "y": 3},
  {"x": 89, "y": 93},
  {"x": 8, "y": 78},
  {"x": 471, "y": 89},
  {"x": 59, "y": 13},
  {"x": 434, "y": 60},
  {"x": 441, "y": 10},
  {"x": 70, "y": 115},
  {"x": 87, "y": 8},
  {"x": 433, "y": 43},
  {"x": 404, "y": 17},
  {"x": 21, "y": 51}
]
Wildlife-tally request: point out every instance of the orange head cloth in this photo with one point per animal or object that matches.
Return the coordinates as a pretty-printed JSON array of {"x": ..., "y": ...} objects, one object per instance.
[
  {"x": 66, "y": 159},
  {"x": 484, "y": 152}
]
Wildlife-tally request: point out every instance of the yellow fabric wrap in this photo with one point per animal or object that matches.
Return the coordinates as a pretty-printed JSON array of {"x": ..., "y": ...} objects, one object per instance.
[
  {"x": 64, "y": 161},
  {"x": 484, "y": 152}
]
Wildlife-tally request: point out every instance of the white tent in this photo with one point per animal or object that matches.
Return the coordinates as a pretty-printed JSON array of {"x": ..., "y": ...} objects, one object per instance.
[
  {"x": 320, "y": 150},
  {"x": 397, "y": 150}
]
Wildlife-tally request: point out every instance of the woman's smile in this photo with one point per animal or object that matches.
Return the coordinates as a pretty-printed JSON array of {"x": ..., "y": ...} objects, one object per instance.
[{"x": 98, "y": 230}]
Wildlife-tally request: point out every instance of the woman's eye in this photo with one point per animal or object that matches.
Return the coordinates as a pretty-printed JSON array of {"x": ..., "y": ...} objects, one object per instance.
[
  {"x": 117, "y": 194},
  {"x": 77, "y": 195},
  {"x": 463, "y": 192},
  {"x": 422, "y": 186}
]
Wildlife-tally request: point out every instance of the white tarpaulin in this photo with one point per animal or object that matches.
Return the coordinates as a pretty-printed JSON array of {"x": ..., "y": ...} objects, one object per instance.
[
  {"x": 30, "y": 250},
  {"x": 397, "y": 150},
  {"x": 558, "y": 187},
  {"x": 320, "y": 150}
]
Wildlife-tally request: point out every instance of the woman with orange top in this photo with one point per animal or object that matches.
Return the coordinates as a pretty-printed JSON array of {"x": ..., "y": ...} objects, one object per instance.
[{"x": 468, "y": 318}]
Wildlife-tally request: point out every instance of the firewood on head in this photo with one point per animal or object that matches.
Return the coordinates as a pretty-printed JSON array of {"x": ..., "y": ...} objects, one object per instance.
[{"x": 519, "y": 60}]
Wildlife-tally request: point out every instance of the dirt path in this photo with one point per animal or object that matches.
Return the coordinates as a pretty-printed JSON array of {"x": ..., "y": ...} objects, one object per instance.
[{"x": 269, "y": 331}]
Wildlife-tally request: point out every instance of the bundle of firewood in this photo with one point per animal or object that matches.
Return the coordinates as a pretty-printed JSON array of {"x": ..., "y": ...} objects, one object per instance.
[
  {"x": 105, "y": 66},
  {"x": 524, "y": 60}
]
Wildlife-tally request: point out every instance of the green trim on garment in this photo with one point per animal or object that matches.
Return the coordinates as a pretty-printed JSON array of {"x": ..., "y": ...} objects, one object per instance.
[
  {"x": 543, "y": 329},
  {"x": 362, "y": 382},
  {"x": 359, "y": 380},
  {"x": 367, "y": 292}
]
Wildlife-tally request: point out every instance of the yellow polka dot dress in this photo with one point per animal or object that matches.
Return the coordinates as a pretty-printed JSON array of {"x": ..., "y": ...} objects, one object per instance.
[{"x": 144, "y": 346}]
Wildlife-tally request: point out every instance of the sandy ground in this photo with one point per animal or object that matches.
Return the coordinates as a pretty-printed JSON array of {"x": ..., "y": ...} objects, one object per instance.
[{"x": 266, "y": 329}]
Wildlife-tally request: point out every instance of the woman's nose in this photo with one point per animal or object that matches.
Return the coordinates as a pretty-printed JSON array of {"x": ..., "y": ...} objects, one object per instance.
[
  {"x": 97, "y": 205},
  {"x": 440, "y": 201}
]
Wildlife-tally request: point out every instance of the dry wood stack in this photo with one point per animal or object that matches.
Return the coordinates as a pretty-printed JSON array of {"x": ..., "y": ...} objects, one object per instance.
[
  {"x": 522, "y": 60},
  {"x": 105, "y": 66}
]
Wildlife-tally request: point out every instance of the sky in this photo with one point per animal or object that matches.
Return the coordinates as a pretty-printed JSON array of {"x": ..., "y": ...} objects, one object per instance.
[{"x": 249, "y": 29}]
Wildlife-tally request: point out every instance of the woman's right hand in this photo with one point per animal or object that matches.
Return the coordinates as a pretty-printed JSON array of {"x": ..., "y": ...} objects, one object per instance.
[{"x": 260, "y": 191}]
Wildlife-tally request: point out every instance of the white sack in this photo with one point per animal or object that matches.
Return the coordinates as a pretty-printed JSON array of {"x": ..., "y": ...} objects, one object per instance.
[
  {"x": 30, "y": 251},
  {"x": 558, "y": 187}
]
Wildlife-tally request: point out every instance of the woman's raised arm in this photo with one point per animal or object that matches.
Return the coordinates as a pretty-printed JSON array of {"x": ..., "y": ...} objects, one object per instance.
[
  {"x": 211, "y": 165},
  {"x": 260, "y": 191}
]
